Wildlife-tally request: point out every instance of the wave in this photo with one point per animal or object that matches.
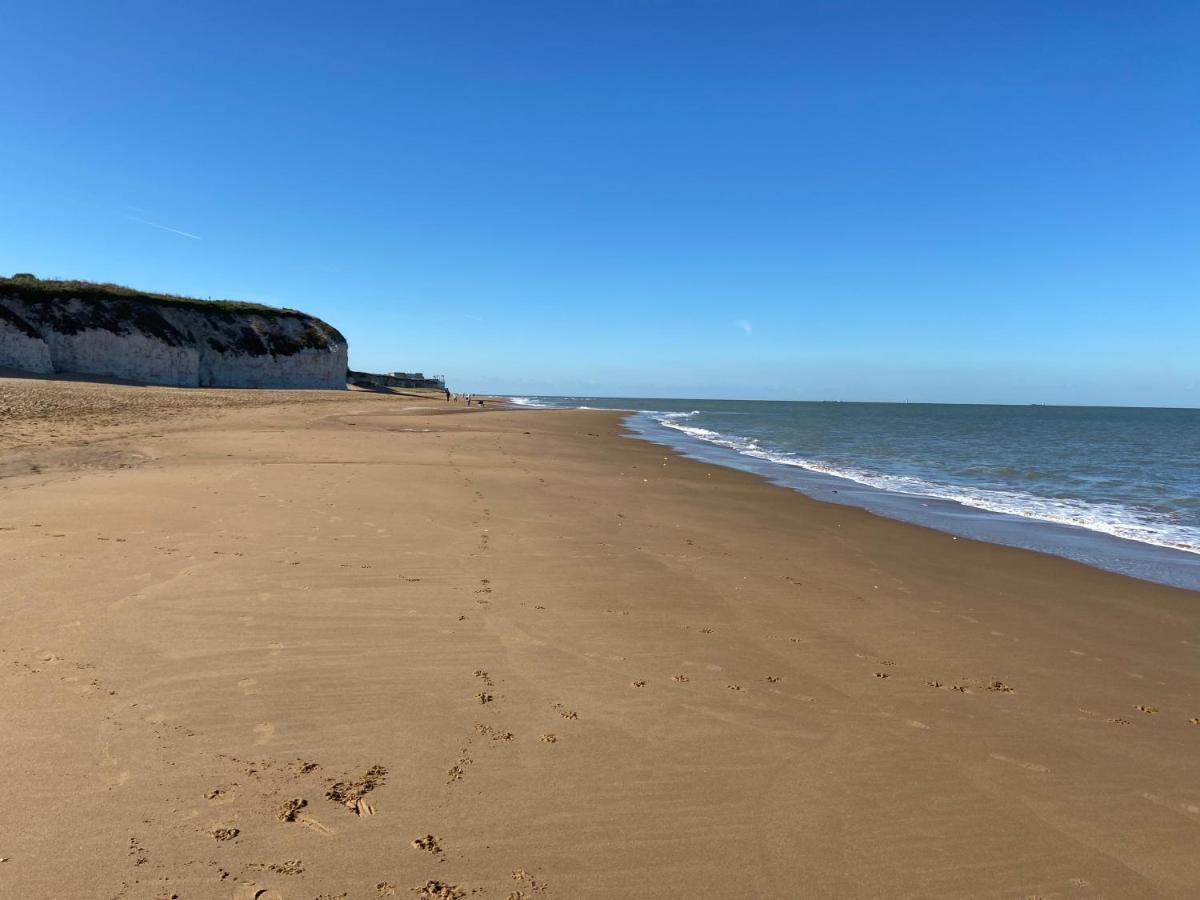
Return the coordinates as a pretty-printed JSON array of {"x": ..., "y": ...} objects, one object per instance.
[{"x": 1108, "y": 518}]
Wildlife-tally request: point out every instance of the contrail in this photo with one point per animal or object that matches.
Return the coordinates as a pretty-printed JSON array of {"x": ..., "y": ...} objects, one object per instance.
[{"x": 194, "y": 237}]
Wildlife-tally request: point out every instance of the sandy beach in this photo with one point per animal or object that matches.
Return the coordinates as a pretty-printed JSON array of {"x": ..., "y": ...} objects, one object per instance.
[{"x": 317, "y": 645}]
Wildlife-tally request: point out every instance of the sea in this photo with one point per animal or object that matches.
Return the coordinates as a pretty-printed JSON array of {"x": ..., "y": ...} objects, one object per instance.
[{"x": 1116, "y": 488}]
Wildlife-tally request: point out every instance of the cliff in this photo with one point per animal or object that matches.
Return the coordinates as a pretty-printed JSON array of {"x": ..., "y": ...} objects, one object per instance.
[{"x": 104, "y": 329}]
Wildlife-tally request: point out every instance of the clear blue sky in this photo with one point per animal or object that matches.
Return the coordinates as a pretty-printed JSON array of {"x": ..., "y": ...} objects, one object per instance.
[{"x": 928, "y": 201}]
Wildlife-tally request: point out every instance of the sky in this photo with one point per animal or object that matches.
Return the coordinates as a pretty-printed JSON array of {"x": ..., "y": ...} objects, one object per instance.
[{"x": 926, "y": 201}]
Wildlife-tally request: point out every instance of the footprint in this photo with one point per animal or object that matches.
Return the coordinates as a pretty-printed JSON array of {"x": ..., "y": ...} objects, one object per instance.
[
  {"x": 263, "y": 733},
  {"x": 314, "y": 824},
  {"x": 249, "y": 686},
  {"x": 428, "y": 843}
]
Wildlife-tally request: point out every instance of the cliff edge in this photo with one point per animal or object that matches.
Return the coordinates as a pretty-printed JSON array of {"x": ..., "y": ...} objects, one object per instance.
[{"x": 48, "y": 327}]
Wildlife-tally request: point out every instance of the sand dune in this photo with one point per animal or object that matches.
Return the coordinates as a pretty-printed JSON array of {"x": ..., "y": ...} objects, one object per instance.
[{"x": 272, "y": 644}]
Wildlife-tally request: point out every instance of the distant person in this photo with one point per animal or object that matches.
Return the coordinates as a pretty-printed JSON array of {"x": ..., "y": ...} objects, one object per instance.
[{"x": 447, "y": 395}]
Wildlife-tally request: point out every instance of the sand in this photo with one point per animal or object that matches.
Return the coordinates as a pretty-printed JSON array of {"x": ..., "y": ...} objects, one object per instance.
[{"x": 310, "y": 645}]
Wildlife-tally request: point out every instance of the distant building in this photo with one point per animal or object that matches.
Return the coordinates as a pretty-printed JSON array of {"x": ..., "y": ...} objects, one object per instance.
[{"x": 397, "y": 380}]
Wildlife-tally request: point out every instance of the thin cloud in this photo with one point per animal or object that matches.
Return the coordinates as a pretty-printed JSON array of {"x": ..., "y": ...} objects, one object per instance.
[
  {"x": 186, "y": 234},
  {"x": 746, "y": 327}
]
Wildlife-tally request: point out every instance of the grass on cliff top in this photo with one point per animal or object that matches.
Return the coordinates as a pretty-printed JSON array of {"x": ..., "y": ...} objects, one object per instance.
[{"x": 31, "y": 288}]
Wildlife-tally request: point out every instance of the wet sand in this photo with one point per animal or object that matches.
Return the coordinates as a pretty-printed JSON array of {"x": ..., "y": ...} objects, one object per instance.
[{"x": 313, "y": 645}]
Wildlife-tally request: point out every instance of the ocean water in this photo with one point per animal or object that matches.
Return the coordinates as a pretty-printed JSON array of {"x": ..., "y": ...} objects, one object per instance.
[{"x": 1113, "y": 487}]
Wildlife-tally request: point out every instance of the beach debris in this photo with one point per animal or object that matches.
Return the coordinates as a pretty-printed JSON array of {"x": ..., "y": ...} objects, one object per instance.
[{"x": 349, "y": 793}]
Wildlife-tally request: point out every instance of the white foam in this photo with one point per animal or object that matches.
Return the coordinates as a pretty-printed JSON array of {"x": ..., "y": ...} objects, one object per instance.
[{"x": 1108, "y": 518}]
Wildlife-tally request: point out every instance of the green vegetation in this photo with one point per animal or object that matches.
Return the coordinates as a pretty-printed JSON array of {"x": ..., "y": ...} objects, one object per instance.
[
  {"x": 29, "y": 288},
  {"x": 69, "y": 307}
]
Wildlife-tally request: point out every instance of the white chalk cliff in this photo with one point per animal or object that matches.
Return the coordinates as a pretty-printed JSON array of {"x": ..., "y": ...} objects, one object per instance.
[{"x": 48, "y": 327}]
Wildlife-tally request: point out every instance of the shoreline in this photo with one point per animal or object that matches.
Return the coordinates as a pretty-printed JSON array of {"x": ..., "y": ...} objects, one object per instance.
[
  {"x": 1146, "y": 560},
  {"x": 562, "y": 653}
]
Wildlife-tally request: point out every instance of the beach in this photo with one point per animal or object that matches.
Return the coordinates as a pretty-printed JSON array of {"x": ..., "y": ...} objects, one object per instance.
[{"x": 285, "y": 644}]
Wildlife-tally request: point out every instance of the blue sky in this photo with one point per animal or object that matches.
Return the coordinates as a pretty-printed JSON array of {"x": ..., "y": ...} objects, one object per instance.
[{"x": 977, "y": 202}]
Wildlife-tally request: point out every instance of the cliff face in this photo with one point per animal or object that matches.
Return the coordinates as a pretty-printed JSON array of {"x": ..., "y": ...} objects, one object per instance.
[{"x": 57, "y": 326}]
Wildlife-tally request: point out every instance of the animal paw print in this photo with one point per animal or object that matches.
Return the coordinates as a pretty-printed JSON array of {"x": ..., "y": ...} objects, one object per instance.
[
  {"x": 1148, "y": 710},
  {"x": 637, "y": 684},
  {"x": 680, "y": 678},
  {"x": 428, "y": 843}
]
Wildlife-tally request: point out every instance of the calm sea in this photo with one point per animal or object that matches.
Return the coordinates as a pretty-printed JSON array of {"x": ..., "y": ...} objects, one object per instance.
[{"x": 1113, "y": 487}]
